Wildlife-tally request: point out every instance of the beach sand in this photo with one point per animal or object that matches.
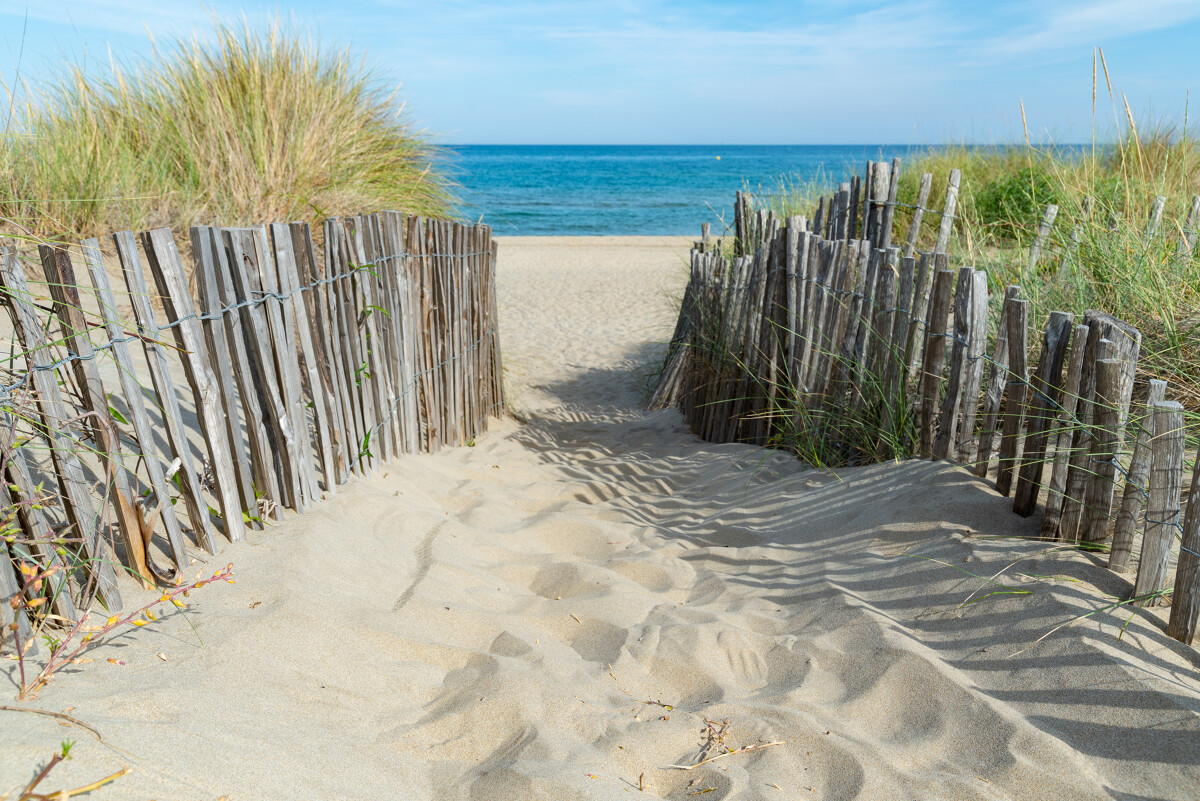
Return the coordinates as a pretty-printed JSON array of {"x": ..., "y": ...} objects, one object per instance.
[{"x": 557, "y": 611}]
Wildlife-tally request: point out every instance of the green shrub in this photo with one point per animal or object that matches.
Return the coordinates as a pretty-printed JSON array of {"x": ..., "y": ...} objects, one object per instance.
[{"x": 1006, "y": 204}]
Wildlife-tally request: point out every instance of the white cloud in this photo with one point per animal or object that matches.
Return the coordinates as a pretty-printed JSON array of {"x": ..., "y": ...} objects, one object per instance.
[{"x": 1089, "y": 24}]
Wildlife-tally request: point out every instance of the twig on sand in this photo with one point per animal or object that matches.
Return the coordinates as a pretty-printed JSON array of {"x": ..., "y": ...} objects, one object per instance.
[
  {"x": 743, "y": 750},
  {"x": 28, "y": 793},
  {"x": 59, "y": 715},
  {"x": 667, "y": 707}
]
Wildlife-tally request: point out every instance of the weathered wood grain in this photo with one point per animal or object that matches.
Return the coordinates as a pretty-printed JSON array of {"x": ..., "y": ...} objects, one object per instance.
[
  {"x": 204, "y": 246},
  {"x": 935, "y": 354},
  {"x": 1016, "y": 394},
  {"x": 172, "y": 283},
  {"x": 1185, "y": 599},
  {"x": 81, "y": 513},
  {"x": 1133, "y": 501},
  {"x": 1044, "y": 406},
  {"x": 168, "y": 401},
  {"x": 1162, "y": 505},
  {"x": 64, "y": 289}
]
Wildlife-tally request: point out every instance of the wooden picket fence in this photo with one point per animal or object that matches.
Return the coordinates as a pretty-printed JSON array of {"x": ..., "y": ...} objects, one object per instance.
[
  {"x": 289, "y": 371},
  {"x": 823, "y": 337}
]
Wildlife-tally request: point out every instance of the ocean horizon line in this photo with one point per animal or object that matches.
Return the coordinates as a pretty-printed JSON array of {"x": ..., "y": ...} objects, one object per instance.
[{"x": 779, "y": 144}]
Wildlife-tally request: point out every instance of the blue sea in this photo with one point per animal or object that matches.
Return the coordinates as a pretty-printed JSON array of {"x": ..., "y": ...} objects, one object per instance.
[{"x": 636, "y": 189}]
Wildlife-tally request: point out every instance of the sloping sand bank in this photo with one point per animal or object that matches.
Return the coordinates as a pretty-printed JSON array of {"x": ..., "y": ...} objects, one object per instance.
[{"x": 555, "y": 612}]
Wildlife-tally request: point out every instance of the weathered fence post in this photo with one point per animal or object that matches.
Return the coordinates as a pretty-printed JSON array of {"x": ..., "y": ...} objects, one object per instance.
[
  {"x": 1185, "y": 600},
  {"x": 1047, "y": 399},
  {"x": 1134, "y": 501},
  {"x": 1162, "y": 505}
]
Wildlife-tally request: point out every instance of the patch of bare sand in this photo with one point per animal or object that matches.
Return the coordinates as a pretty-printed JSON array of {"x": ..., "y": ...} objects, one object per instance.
[{"x": 489, "y": 623}]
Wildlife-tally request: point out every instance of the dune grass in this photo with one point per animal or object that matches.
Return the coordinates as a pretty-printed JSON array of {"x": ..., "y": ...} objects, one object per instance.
[
  {"x": 1104, "y": 251},
  {"x": 246, "y": 126}
]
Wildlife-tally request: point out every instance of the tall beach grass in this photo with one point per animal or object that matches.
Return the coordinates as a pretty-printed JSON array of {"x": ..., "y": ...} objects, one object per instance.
[
  {"x": 1104, "y": 251},
  {"x": 245, "y": 126}
]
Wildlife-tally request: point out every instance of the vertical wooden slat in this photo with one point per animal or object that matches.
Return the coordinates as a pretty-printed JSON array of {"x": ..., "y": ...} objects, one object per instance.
[
  {"x": 1067, "y": 423},
  {"x": 1015, "y": 396},
  {"x": 172, "y": 284},
  {"x": 281, "y": 348},
  {"x": 417, "y": 245},
  {"x": 379, "y": 382},
  {"x": 243, "y": 262},
  {"x": 204, "y": 248},
  {"x": 889, "y": 211},
  {"x": 343, "y": 346},
  {"x": 1044, "y": 406},
  {"x": 318, "y": 315},
  {"x": 947, "y": 433},
  {"x": 302, "y": 324},
  {"x": 977, "y": 346},
  {"x": 914, "y": 227},
  {"x": 948, "y": 211},
  {"x": 134, "y": 398},
  {"x": 1043, "y": 231},
  {"x": 861, "y": 378},
  {"x": 880, "y": 189},
  {"x": 54, "y": 411},
  {"x": 60, "y": 275},
  {"x": 1133, "y": 503},
  {"x": 878, "y": 350},
  {"x": 915, "y": 343},
  {"x": 41, "y": 550},
  {"x": 1124, "y": 341},
  {"x": 1162, "y": 505},
  {"x": 243, "y": 352},
  {"x": 793, "y": 293},
  {"x": 935, "y": 354},
  {"x": 164, "y": 386},
  {"x": 1185, "y": 600},
  {"x": 997, "y": 383},
  {"x": 1097, "y": 501},
  {"x": 357, "y": 339}
]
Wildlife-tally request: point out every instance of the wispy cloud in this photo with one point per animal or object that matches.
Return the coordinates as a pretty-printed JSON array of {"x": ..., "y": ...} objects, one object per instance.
[
  {"x": 677, "y": 70},
  {"x": 1088, "y": 24}
]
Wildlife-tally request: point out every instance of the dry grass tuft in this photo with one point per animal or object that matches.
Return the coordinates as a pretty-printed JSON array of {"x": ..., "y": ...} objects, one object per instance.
[{"x": 247, "y": 126}]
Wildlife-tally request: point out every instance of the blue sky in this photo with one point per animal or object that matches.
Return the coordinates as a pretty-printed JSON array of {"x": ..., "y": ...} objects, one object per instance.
[{"x": 661, "y": 71}]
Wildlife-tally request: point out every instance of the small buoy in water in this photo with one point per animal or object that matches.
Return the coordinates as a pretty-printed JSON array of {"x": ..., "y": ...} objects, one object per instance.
[{"x": 718, "y": 158}]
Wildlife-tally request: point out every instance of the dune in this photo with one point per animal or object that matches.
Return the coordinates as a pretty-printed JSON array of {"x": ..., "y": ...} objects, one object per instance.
[{"x": 590, "y": 595}]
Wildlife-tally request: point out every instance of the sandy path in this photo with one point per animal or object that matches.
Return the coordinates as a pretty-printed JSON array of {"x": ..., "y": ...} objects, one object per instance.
[{"x": 488, "y": 623}]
